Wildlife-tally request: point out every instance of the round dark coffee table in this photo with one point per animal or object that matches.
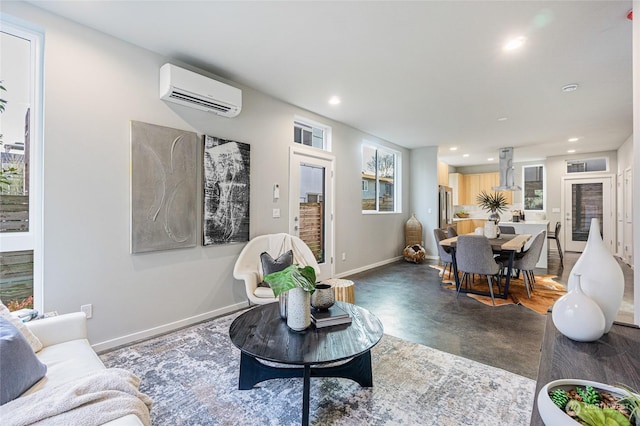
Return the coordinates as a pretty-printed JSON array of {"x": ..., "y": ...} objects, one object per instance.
[{"x": 261, "y": 334}]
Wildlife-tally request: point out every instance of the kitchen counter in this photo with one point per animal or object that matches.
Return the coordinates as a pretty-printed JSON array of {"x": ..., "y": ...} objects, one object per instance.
[
  {"x": 532, "y": 227},
  {"x": 526, "y": 222}
]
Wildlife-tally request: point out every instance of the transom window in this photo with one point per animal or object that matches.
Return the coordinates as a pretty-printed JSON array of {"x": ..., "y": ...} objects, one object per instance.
[
  {"x": 380, "y": 171},
  {"x": 310, "y": 133},
  {"x": 588, "y": 165}
]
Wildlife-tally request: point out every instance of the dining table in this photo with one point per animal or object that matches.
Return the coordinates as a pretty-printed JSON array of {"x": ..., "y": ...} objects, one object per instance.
[{"x": 503, "y": 244}]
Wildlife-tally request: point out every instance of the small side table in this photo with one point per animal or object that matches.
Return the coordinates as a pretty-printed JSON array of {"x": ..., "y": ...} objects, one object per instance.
[{"x": 343, "y": 289}]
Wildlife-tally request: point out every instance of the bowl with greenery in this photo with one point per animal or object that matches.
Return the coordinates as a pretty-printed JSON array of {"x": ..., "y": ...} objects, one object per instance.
[
  {"x": 495, "y": 203},
  {"x": 462, "y": 214},
  {"x": 569, "y": 402}
]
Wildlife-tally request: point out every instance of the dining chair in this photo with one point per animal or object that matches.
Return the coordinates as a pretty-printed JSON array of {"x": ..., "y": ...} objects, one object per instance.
[
  {"x": 504, "y": 229},
  {"x": 526, "y": 261},
  {"x": 556, "y": 236},
  {"x": 451, "y": 232},
  {"x": 444, "y": 253},
  {"x": 475, "y": 256}
]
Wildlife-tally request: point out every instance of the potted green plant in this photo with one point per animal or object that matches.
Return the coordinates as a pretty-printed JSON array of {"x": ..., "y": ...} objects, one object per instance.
[
  {"x": 300, "y": 283},
  {"x": 495, "y": 203}
]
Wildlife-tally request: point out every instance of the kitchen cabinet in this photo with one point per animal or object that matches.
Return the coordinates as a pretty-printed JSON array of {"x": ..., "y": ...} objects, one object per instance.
[
  {"x": 467, "y": 226},
  {"x": 470, "y": 185},
  {"x": 443, "y": 174}
]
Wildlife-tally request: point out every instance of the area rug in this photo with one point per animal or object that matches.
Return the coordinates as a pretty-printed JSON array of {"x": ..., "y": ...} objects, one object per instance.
[
  {"x": 192, "y": 377},
  {"x": 544, "y": 295}
]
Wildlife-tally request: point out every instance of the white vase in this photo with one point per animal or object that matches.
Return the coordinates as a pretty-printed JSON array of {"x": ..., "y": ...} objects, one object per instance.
[
  {"x": 577, "y": 316},
  {"x": 298, "y": 309},
  {"x": 601, "y": 276}
]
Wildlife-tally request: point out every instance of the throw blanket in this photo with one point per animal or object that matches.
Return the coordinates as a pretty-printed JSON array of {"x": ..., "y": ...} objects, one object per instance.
[
  {"x": 281, "y": 243},
  {"x": 94, "y": 399}
]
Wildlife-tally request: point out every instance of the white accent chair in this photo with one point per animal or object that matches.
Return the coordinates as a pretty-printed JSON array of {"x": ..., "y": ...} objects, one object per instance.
[{"x": 249, "y": 268}]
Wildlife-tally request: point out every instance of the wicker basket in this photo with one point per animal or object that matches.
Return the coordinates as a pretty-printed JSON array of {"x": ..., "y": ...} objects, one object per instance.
[{"x": 413, "y": 231}]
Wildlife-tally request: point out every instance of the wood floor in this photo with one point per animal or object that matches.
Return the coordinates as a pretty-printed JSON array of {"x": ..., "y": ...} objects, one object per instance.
[{"x": 412, "y": 305}]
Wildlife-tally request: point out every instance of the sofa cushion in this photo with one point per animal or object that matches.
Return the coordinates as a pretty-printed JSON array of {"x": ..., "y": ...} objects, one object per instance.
[
  {"x": 20, "y": 366},
  {"x": 34, "y": 342},
  {"x": 271, "y": 265},
  {"x": 67, "y": 362}
]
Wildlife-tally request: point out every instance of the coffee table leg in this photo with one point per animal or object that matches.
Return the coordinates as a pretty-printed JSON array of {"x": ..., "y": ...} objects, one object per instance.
[{"x": 305, "y": 395}]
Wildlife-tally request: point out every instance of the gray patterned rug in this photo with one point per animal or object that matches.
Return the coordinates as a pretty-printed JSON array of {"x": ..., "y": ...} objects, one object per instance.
[{"x": 192, "y": 377}]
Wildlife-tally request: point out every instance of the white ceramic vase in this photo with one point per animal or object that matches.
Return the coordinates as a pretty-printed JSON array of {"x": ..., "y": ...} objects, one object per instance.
[
  {"x": 601, "y": 276},
  {"x": 298, "y": 309},
  {"x": 577, "y": 316}
]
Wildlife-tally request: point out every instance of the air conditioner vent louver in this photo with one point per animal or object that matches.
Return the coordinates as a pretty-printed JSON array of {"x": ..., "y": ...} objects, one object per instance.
[
  {"x": 187, "y": 88},
  {"x": 208, "y": 104}
]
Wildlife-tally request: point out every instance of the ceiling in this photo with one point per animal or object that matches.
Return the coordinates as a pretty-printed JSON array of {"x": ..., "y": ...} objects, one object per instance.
[{"x": 419, "y": 73}]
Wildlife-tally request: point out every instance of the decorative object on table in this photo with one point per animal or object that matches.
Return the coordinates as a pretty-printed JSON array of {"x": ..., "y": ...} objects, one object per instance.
[
  {"x": 163, "y": 188},
  {"x": 515, "y": 216},
  {"x": 331, "y": 316},
  {"x": 323, "y": 298},
  {"x": 601, "y": 276},
  {"x": 300, "y": 283},
  {"x": 414, "y": 253},
  {"x": 490, "y": 229},
  {"x": 569, "y": 402},
  {"x": 462, "y": 214},
  {"x": 494, "y": 203},
  {"x": 282, "y": 303},
  {"x": 226, "y": 170},
  {"x": 577, "y": 316}
]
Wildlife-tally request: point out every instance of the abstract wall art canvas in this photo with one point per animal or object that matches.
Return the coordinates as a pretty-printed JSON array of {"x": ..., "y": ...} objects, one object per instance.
[
  {"x": 226, "y": 174},
  {"x": 164, "y": 188}
]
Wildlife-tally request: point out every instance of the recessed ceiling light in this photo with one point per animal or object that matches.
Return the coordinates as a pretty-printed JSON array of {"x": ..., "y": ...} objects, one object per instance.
[
  {"x": 514, "y": 43},
  {"x": 453, "y": 148},
  {"x": 570, "y": 87},
  {"x": 503, "y": 118},
  {"x": 571, "y": 151},
  {"x": 573, "y": 139},
  {"x": 465, "y": 155},
  {"x": 334, "y": 100},
  {"x": 490, "y": 159}
]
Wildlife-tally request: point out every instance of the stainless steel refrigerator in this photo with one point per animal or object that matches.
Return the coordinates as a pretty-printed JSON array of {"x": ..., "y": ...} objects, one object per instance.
[{"x": 445, "y": 206}]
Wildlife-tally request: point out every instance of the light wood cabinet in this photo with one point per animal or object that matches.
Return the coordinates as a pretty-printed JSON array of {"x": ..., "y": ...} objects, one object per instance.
[
  {"x": 443, "y": 173},
  {"x": 470, "y": 185},
  {"x": 467, "y": 226}
]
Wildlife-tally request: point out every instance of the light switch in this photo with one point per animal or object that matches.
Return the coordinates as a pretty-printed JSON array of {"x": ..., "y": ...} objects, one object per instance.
[{"x": 276, "y": 212}]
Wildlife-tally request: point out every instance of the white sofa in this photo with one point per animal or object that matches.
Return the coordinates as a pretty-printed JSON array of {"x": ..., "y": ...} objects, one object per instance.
[{"x": 68, "y": 355}]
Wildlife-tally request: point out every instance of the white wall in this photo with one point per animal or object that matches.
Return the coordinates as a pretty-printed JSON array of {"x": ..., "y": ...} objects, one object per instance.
[
  {"x": 94, "y": 86},
  {"x": 624, "y": 234},
  {"x": 424, "y": 194}
]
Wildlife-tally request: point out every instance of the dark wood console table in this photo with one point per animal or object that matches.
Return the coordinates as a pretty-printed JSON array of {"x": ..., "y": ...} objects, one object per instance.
[{"x": 614, "y": 358}]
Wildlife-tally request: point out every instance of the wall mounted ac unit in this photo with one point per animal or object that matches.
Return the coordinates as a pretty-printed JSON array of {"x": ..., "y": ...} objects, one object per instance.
[{"x": 185, "y": 87}]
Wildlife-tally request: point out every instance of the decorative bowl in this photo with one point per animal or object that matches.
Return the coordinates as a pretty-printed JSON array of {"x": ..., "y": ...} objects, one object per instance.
[
  {"x": 462, "y": 215},
  {"x": 323, "y": 297},
  {"x": 551, "y": 414}
]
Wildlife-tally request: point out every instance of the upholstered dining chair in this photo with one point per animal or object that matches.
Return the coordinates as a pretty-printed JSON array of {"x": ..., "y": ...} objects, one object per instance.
[
  {"x": 444, "y": 253},
  {"x": 504, "y": 229},
  {"x": 451, "y": 232},
  {"x": 556, "y": 236},
  {"x": 475, "y": 256},
  {"x": 526, "y": 261}
]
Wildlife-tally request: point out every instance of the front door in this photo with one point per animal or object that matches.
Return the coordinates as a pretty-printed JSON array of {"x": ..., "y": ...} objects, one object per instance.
[
  {"x": 585, "y": 199},
  {"x": 311, "y": 204}
]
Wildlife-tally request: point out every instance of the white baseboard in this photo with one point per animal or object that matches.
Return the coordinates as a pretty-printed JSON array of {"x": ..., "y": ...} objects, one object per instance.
[
  {"x": 165, "y": 328},
  {"x": 367, "y": 267}
]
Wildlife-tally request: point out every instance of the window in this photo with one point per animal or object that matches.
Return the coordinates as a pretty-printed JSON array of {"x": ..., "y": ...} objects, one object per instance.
[
  {"x": 309, "y": 133},
  {"x": 587, "y": 165},
  {"x": 380, "y": 168},
  {"x": 533, "y": 193},
  {"x": 20, "y": 165}
]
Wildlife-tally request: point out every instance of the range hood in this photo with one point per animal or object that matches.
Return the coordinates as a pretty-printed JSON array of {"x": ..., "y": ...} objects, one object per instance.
[{"x": 507, "y": 171}]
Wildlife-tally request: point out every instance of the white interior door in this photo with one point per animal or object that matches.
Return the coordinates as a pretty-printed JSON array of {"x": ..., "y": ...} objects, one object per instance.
[
  {"x": 311, "y": 204},
  {"x": 620, "y": 215},
  {"x": 584, "y": 199},
  {"x": 628, "y": 216}
]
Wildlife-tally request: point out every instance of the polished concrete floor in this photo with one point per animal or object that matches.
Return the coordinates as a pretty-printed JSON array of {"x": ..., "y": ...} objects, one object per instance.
[{"x": 412, "y": 305}]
